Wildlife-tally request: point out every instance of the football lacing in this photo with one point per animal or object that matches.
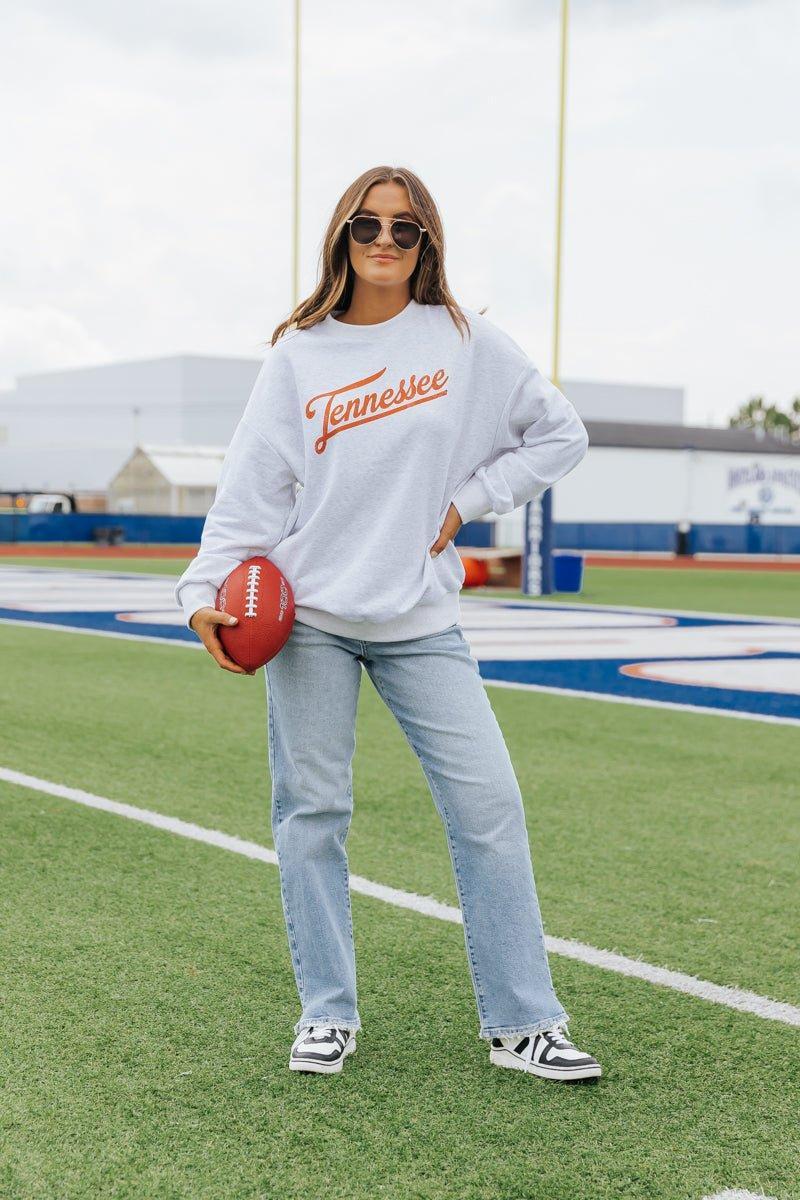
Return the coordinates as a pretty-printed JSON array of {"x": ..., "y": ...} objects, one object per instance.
[{"x": 251, "y": 593}]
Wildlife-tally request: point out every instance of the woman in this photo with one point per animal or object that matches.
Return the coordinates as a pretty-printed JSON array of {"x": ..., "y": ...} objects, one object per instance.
[{"x": 383, "y": 417}]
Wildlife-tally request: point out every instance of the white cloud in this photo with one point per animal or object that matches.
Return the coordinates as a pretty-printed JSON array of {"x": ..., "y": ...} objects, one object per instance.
[
  {"x": 41, "y": 337},
  {"x": 202, "y": 28}
]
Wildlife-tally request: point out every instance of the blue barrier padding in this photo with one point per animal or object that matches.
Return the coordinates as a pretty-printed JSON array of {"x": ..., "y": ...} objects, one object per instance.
[
  {"x": 144, "y": 528},
  {"x": 745, "y": 539},
  {"x": 79, "y": 527},
  {"x": 475, "y": 533},
  {"x": 605, "y": 535},
  {"x": 141, "y": 529}
]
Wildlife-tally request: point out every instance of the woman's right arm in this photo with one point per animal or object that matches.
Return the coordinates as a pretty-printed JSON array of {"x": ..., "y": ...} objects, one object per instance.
[{"x": 254, "y": 499}]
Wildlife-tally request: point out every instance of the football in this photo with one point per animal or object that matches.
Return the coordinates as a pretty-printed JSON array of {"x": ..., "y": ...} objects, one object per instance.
[{"x": 259, "y": 596}]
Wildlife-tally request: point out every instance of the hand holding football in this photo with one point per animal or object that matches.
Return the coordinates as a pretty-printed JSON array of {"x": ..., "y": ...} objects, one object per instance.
[{"x": 261, "y": 599}]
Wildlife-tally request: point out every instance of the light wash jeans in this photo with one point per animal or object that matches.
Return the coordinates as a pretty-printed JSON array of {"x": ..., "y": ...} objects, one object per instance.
[{"x": 433, "y": 687}]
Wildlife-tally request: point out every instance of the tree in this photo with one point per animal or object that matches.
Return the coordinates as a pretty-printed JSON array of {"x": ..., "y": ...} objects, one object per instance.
[{"x": 755, "y": 414}]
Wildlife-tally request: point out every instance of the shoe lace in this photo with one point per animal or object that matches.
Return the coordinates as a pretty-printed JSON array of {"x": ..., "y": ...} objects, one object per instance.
[
  {"x": 323, "y": 1030},
  {"x": 557, "y": 1032},
  {"x": 560, "y": 1034}
]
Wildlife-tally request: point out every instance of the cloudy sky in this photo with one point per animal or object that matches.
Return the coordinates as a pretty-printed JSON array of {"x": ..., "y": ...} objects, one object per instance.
[{"x": 148, "y": 176}]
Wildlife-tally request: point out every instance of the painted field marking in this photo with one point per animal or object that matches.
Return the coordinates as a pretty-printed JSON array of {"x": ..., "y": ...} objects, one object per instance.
[
  {"x": 570, "y": 693},
  {"x": 738, "y": 1195},
  {"x": 743, "y": 666},
  {"x": 579, "y": 607},
  {"x": 736, "y": 998},
  {"x": 642, "y": 702},
  {"x": 108, "y": 633}
]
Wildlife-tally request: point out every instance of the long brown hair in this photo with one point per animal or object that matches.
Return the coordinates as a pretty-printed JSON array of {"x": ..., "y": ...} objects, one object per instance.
[{"x": 336, "y": 276}]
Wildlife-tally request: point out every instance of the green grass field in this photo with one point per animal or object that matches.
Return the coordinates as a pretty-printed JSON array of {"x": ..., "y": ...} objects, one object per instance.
[{"x": 147, "y": 990}]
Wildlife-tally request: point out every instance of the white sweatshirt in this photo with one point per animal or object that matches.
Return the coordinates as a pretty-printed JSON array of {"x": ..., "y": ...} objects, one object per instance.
[{"x": 353, "y": 444}]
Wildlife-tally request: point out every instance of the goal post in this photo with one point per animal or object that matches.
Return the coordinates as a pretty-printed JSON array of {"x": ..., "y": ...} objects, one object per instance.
[{"x": 537, "y": 546}]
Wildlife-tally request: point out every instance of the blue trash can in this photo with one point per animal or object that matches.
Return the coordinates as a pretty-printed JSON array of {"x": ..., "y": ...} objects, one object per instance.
[{"x": 567, "y": 572}]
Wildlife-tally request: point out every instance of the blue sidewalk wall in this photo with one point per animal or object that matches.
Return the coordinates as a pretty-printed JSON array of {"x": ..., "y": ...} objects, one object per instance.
[
  {"x": 78, "y": 527},
  {"x": 568, "y": 535},
  {"x": 600, "y": 535}
]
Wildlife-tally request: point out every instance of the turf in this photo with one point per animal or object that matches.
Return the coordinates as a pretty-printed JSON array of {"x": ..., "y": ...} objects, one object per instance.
[
  {"x": 658, "y": 796},
  {"x": 751, "y": 593},
  {"x": 148, "y": 993},
  {"x": 147, "y": 990}
]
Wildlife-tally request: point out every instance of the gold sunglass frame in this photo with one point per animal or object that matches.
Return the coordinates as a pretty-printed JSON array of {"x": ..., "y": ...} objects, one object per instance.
[{"x": 384, "y": 222}]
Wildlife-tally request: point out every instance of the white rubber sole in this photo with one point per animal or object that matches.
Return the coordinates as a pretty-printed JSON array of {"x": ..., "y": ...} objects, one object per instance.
[
  {"x": 319, "y": 1068},
  {"x": 507, "y": 1058}
]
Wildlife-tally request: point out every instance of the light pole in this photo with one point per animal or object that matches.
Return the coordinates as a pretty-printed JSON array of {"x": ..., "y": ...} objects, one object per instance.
[
  {"x": 296, "y": 148},
  {"x": 560, "y": 192},
  {"x": 536, "y": 568}
]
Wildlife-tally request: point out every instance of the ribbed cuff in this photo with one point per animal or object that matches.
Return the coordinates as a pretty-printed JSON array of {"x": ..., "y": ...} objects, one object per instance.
[
  {"x": 471, "y": 500},
  {"x": 194, "y": 596}
]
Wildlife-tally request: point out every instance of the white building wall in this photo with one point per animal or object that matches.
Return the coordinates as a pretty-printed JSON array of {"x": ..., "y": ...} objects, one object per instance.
[
  {"x": 627, "y": 484},
  {"x": 625, "y": 401},
  {"x": 215, "y": 392},
  {"x": 59, "y": 469},
  {"x": 712, "y": 487},
  {"x": 73, "y": 430},
  {"x": 624, "y": 484},
  {"x": 182, "y": 399},
  {"x": 115, "y": 404}
]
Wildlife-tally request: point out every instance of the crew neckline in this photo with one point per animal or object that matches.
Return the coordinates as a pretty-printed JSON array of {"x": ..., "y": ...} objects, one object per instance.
[{"x": 344, "y": 329}]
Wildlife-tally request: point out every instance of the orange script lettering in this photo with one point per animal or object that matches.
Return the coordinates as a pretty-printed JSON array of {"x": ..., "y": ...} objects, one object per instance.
[{"x": 339, "y": 415}]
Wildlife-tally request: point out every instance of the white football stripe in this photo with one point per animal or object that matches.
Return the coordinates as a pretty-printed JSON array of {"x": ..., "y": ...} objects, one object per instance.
[
  {"x": 673, "y": 705},
  {"x": 746, "y": 675},
  {"x": 736, "y": 998},
  {"x": 736, "y": 1194}
]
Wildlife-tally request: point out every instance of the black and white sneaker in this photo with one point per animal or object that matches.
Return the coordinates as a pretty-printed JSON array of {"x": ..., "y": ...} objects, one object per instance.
[
  {"x": 549, "y": 1054},
  {"x": 321, "y": 1048}
]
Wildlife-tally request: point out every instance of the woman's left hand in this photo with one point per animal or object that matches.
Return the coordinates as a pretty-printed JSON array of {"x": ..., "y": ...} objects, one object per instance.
[{"x": 451, "y": 526}]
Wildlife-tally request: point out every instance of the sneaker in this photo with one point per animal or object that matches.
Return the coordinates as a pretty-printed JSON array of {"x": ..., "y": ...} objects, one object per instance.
[
  {"x": 549, "y": 1054},
  {"x": 321, "y": 1048}
]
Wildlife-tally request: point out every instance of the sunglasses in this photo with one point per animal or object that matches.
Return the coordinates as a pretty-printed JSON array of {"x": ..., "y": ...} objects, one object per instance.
[{"x": 405, "y": 234}]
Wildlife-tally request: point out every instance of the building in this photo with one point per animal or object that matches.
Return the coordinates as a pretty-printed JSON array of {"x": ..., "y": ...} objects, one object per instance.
[
  {"x": 171, "y": 480},
  {"x": 150, "y": 436},
  {"x": 74, "y": 430},
  {"x": 682, "y": 473},
  {"x": 630, "y": 402},
  {"x": 638, "y": 477}
]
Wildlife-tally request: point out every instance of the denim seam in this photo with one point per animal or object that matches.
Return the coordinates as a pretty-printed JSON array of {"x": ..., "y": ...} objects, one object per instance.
[
  {"x": 347, "y": 865},
  {"x": 453, "y": 858},
  {"x": 461, "y": 894},
  {"x": 276, "y": 793}
]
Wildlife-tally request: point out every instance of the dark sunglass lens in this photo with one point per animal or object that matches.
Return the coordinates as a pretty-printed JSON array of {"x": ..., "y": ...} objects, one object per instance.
[
  {"x": 406, "y": 234},
  {"x": 365, "y": 229}
]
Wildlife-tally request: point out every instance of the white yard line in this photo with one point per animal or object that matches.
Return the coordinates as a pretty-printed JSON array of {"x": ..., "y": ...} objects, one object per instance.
[
  {"x": 736, "y": 998},
  {"x": 108, "y": 633},
  {"x": 608, "y": 698},
  {"x": 736, "y": 1194},
  {"x": 580, "y": 606}
]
